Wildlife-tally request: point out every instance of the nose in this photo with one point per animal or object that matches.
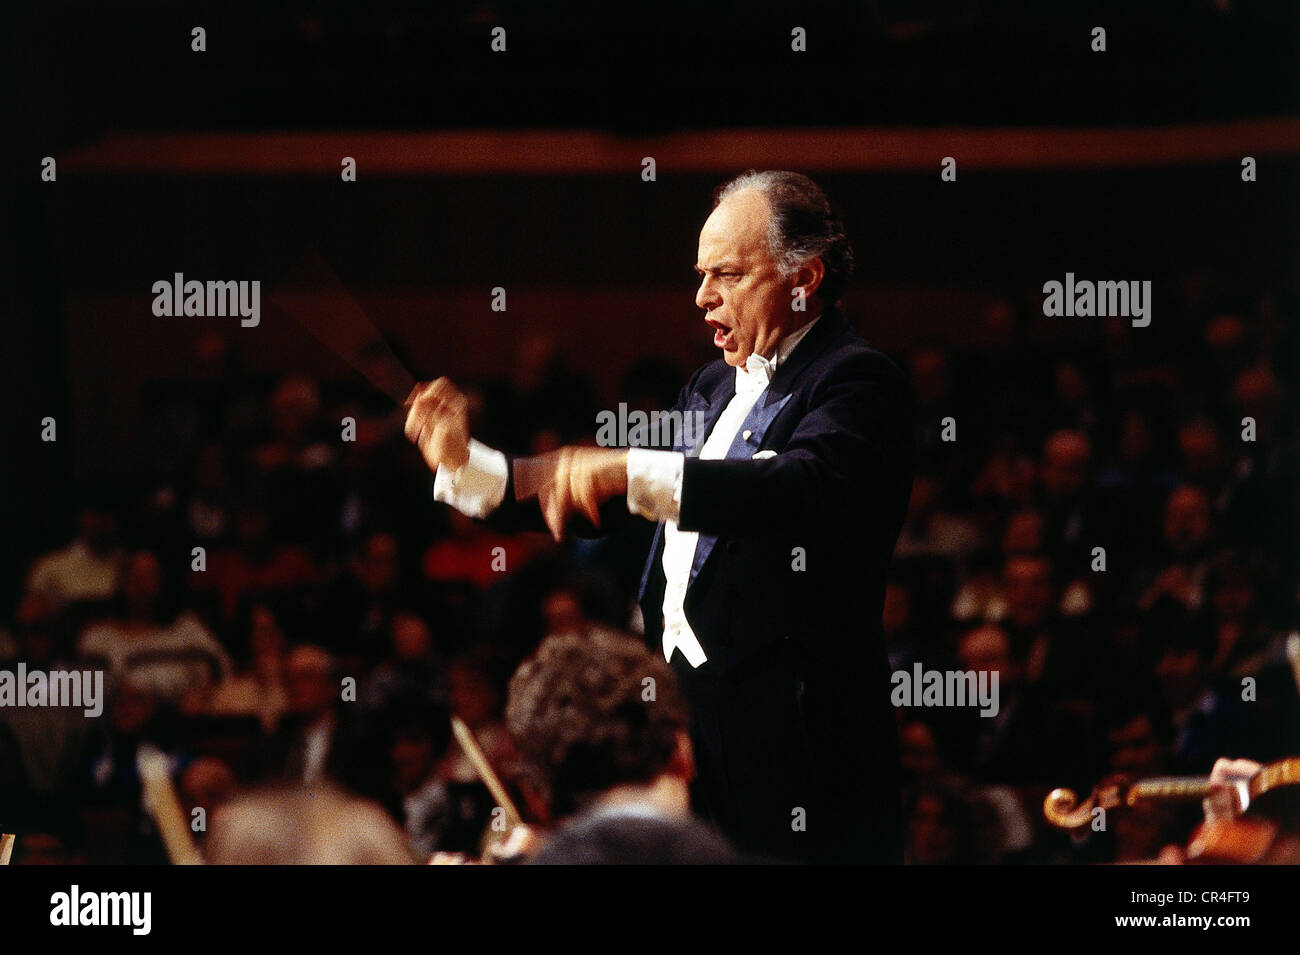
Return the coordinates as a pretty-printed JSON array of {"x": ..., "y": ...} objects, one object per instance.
[{"x": 707, "y": 296}]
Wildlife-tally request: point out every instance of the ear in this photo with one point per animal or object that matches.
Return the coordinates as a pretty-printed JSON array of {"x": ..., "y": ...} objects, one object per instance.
[
  {"x": 682, "y": 763},
  {"x": 809, "y": 277}
]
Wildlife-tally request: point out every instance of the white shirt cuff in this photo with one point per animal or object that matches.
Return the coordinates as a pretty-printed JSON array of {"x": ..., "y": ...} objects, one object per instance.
[
  {"x": 654, "y": 483},
  {"x": 477, "y": 487}
]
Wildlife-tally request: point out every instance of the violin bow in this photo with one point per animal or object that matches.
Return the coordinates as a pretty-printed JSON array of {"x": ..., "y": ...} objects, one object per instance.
[
  {"x": 165, "y": 807},
  {"x": 465, "y": 736}
]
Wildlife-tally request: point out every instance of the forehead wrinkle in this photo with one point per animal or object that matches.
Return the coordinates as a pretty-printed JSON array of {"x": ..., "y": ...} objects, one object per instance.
[{"x": 738, "y": 228}]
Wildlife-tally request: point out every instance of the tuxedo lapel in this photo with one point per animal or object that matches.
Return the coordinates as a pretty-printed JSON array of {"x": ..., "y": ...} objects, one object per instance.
[
  {"x": 707, "y": 407},
  {"x": 749, "y": 439},
  {"x": 711, "y": 405},
  {"x": 828, "y": 329}
]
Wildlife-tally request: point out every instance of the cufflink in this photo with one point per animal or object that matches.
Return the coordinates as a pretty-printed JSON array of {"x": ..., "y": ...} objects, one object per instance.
[
  {"x": 746, "y": 435},
  {"x": 764, "y": 455}
]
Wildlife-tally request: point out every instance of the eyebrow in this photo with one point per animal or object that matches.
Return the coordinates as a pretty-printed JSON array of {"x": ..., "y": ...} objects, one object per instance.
[{"x": 723, "y": 267}]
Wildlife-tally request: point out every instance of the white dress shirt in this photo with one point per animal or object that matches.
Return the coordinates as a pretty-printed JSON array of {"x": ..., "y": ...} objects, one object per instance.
[{"x": 654, "y": 490}]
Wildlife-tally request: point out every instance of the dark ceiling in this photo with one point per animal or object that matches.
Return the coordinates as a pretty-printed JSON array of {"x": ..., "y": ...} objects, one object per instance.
[{"x": 83, "y": 67}]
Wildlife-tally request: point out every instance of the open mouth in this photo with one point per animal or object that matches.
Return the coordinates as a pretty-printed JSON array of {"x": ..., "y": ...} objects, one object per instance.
[{"x": 721, "y": 333}]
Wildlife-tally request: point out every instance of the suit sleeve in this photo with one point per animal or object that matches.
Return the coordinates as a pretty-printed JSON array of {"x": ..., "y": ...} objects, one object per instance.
[
  {"x": 484, "y": 489},
  {"x": 654, "y": 483},
  {"x": 477, "y": 488},
  {"x": 844, "y": 454}
]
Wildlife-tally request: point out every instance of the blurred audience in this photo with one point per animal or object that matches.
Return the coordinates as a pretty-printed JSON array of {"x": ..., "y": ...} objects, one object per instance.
[{"x": 1101, "y": 528}]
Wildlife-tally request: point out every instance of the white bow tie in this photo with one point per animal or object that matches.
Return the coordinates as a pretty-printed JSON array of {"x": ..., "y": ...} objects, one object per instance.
[{"x": 756, "y": 375}]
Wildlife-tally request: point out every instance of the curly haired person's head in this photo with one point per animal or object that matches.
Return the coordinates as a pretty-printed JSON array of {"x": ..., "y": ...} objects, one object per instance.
[{"x": 593, "y": 712}]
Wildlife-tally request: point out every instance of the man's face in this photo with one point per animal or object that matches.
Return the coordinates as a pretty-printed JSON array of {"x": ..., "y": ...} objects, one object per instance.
[
  {"x": 1065, "y": 464},
  {"x": 142, "y": 582},
  {"x": 412, "y": 756},
  {"x": 1028, "y": 583},
  {"x": 379, "y": 562},
  {"x": 1180, "y": 673},
  {"x": 1187, "y": 519},
  {"x": 1134, "y": 747},
  {"x": 747, "y": 302},
  {"x": 307, "y": 683},
  {"x": 986, "y": 650}
]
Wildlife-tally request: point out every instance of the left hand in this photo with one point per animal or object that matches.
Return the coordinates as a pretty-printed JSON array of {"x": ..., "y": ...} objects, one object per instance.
[
  {"x": 1225, "y": 802},
  {"x": 580, "y": 479}
]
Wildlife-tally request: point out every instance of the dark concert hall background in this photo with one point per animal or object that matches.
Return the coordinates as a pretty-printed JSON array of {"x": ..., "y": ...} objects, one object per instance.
[{"x": 524, "y": 172}]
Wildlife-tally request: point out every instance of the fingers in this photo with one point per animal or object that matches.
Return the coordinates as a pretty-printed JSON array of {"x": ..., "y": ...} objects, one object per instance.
[
  {"x": 417, "y": 407},
  {"x": 1226, "y": 799},
  {"x": 586, "y": 498},
  {"x": 414, "y": 419},
  {"x": 554, "y": 505},
  {"x": 568, "y": 489},
  {"x": 555, "y": 517},
  {"x": 564, "y": 498},
  {"x": 1231, "y": 770},
  {"x": 1221, "y": 803},
  {"x": 1172, "y": 855},
  {"x": 436, "y": 418},
  {"x": 420, "y": 389},
  {"x": 450, "y": 437},
  {"x": 428, "y": 394}
]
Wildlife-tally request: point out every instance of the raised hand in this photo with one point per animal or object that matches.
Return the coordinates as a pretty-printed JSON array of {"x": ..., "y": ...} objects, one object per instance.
[{"x": 437, "y": 422}]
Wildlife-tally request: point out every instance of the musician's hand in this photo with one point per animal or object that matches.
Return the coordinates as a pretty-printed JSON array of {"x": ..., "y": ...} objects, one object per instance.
[
  {"x": 580, "y": 479},
  {"x": 521, "y": 842},
  {"x": 1172, "y": 855},
  {"x": 437, "y": 422},
  {"x": 1227, "y": 774}
]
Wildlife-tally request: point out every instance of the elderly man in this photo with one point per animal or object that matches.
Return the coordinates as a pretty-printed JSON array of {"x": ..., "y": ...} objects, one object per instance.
[
  {"x": 320, "y": 739},
  {"x": 766, "y": 578}
]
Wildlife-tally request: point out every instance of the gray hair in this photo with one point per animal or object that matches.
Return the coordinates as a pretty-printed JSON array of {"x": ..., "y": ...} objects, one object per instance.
[
  {"x": 803, "y": 225},
  {"x": 286, "y": 824}
]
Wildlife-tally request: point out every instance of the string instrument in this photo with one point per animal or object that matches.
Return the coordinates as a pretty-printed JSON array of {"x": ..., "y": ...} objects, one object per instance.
[
  {"x": 1063, "y": 809},
  {"x": 1224, "y": 837},
  {"x": 499, "y": 843}
]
